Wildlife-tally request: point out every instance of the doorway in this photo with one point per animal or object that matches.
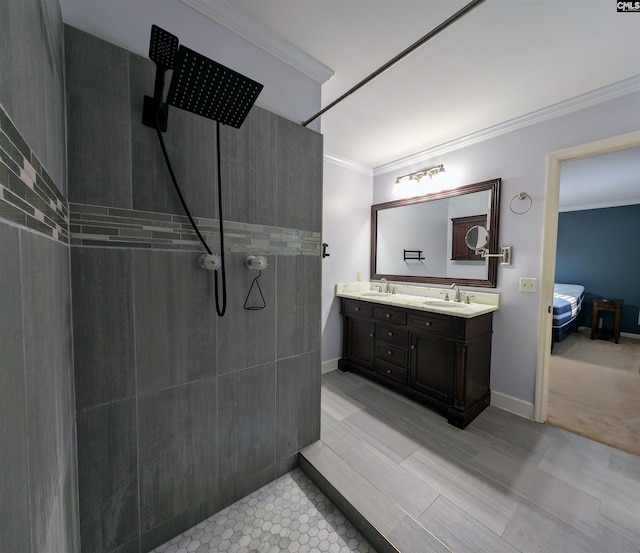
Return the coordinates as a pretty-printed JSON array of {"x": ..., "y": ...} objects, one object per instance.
[{"x": 550, "y": 236}]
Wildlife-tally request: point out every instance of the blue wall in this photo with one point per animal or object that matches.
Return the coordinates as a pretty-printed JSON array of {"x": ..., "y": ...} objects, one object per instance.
[{"x": 600, "y": 249}]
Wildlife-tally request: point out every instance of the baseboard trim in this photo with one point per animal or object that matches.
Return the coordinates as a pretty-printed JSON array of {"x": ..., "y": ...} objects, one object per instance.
[
  {"x": 623, "y": 334},
  {"x": 330, "y": 365},
  {"x": 513, "y": 405}
]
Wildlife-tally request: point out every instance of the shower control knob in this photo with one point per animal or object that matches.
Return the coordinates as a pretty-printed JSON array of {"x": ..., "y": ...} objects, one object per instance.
[{"x": 210, "y": 261}]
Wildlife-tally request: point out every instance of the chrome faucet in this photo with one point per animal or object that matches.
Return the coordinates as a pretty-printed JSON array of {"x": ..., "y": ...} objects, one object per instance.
[
  {"x": 455, "y": 287},
  {"x": 384, "y": 281}
]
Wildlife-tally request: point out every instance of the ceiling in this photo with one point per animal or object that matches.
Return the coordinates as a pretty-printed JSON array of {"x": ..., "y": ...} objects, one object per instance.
[{"x": 501, "y": 61}]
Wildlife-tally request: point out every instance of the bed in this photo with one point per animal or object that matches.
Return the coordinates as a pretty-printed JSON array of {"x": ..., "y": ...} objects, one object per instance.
[{"x": 567, "y": 309}]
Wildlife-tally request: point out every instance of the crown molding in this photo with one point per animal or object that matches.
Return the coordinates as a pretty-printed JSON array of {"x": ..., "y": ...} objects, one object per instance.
[
  {"x": 248, "y": 28},
  {"x": 583, "y": 101},
  {"x": 348, "y": 164},
  {"x": 598, "y": 205}
]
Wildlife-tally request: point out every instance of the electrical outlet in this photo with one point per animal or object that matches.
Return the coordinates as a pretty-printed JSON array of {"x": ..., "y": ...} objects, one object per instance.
[
  {"x": 359, "y": 276},
  {"x": 528, "y": 285}
]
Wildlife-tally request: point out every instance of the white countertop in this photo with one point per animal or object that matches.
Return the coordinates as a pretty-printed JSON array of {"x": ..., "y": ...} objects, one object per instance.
[{"x": 422, "y": 298}]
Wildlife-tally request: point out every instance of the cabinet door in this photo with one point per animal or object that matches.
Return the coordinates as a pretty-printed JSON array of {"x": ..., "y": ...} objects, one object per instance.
[
  {"x": 360, "y": 342},
  {"x": 459, "y": 228},
  {"x": 432, "y": 366}
]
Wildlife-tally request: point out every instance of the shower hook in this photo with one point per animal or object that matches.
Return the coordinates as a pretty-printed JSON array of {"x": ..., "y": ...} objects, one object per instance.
[{"x": 259, "y": 263}]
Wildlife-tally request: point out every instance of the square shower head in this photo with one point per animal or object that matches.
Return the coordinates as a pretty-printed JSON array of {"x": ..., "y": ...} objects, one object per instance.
[
  {"x": 162, "y": 47},
  {"x": 204, "y": 87}
]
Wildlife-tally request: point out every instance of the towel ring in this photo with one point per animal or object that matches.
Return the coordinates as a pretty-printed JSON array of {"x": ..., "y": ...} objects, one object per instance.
[{"x": 520, "y": 196}]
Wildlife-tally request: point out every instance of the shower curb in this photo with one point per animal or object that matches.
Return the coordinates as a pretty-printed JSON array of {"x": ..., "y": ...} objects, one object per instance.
[{"x": 353, "y": 515}]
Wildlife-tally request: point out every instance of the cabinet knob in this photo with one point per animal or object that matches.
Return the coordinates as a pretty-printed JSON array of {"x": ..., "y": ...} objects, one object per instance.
[
  {"x": 413, "y": 347},
  {"x": 428, "y": 323},
  {"x": 389, "y": 352},
  {"x": 371, "y": 335},
  {"x": 357, "y": 309},
  {"x": 390, "y": 333},
  {"x": 388, "y": 371},
  {"x": 388, "y": 315}
]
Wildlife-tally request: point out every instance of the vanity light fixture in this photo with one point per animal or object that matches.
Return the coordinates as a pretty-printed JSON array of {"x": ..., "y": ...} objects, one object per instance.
[{"x": 428, "y": 172}]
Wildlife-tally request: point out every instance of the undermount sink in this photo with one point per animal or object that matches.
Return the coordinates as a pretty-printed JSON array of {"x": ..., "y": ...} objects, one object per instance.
[
  {"x": 449, "y": 304},
  {"x": 374, "y": 293}
]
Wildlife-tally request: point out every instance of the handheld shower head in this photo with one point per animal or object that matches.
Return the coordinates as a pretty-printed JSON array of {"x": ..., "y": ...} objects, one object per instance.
[{"x": 163, "y": 47}]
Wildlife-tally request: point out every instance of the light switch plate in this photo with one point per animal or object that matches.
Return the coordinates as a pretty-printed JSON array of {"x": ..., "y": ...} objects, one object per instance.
[{"x": 528, "y": 285}]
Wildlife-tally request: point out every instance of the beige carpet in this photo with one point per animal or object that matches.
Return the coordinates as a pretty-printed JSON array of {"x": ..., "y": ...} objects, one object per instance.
[{"x": 594, "y": 389}]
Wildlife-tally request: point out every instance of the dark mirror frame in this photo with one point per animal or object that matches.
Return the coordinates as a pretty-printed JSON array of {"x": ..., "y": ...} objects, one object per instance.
[{"x": 492, "y": 246}]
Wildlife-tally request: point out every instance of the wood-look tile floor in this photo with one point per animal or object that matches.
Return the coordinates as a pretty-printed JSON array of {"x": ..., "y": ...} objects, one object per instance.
[{"x": 504, "y": 484}]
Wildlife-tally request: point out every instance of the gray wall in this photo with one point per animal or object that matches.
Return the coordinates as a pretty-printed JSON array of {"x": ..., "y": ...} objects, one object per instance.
[
  {"x": 38, "y": 477},
  {"x": 180, "y": 412}
]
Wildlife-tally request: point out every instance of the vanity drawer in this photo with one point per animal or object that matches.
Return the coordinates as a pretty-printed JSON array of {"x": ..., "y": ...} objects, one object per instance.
[
  {"x": 356, "y": 308},
  {"x": 392, "y": 354},
  {"x": 392, "y": 372},
  {"x": 434, "y": 324},
  {"x": 389, "y": 314},
  {"x": 392, "y": 334}
]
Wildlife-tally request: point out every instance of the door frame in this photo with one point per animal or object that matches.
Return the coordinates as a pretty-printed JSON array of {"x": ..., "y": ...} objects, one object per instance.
[{"x": 549, "y": 240}]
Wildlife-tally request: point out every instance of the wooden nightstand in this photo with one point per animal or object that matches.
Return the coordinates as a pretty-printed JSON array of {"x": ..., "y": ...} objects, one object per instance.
[{"x": 606, "y": 306}]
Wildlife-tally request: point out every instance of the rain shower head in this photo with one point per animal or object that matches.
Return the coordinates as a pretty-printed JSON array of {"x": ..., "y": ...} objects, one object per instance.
[
  {"x": 198, "y": 84},
  {"x": 163, "y": 47},
  {"x": 204, "y": 87}
]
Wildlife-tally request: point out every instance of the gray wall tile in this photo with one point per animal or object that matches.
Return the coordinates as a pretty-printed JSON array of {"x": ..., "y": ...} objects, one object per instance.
[
  {"x": 31, "y": 88},
  {"x": 104, "y": 355},
  {"x": 24, "y": 62},
  {"x": 247, "y": 429},
  {"x": 191, "y": 145},
  {"x": 257, "y": 328},
  {"x": 299, "y": 305},
  {"x": 6, "y": 85},
  {"x": 175, "y": 320},
  {"x": 49, "y": 392},
  {"x": 297, "y": 403},
  {"x": 14, "y": 483},
  {"x": 98, "y": 143},
  {"x": 178, "y": 454},
  {"x": 180, "y": 344},
  {"x": 299, "y": 177},
  {"x": 249, "y": 169},
  {"x": 54, "y": 156},
  {"x": 107, "y": 468}
]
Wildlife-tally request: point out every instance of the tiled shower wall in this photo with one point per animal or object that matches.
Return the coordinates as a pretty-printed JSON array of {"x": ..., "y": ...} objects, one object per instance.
[
  {"x": 179, "y": 412},
  {"x": 38, "y": 475}
]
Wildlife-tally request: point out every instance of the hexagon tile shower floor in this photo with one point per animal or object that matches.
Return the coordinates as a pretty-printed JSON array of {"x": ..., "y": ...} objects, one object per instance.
[{"x": 288, "y": 515}]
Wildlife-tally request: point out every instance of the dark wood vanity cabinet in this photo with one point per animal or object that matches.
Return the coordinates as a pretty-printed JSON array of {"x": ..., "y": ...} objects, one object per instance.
[{"x": 441, "y": 360}]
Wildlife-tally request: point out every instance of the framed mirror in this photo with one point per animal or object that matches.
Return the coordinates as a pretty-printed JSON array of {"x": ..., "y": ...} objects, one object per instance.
[{"x": 422, "y": 239}]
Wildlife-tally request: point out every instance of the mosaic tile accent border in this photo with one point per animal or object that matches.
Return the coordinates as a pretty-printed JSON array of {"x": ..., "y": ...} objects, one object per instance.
[
  {"x": 124, "y": 228},
  {"x": 28, "y": 196},
  {"x": 30, "y": 199}
]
